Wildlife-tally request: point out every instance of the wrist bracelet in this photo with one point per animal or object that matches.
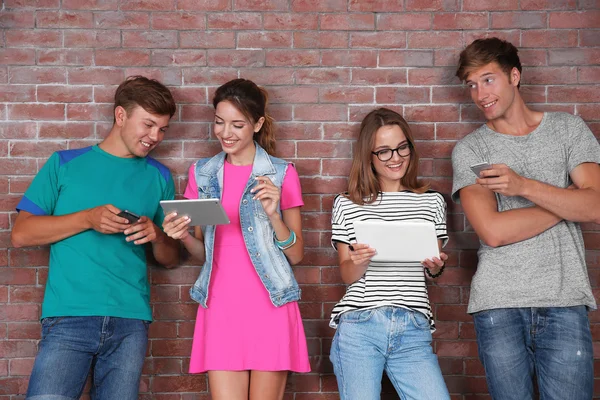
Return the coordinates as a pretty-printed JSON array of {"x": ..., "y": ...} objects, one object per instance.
[
  {"x": 285, "y": 244},
  {"x": 428, "y": 272}
]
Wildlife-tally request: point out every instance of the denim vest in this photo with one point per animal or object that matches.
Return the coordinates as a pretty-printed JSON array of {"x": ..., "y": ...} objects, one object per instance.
[{"x": 270, "y": 263}]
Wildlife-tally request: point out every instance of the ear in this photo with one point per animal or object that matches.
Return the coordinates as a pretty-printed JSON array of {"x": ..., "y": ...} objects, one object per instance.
[
  {"x": 120, "y": 116},
  {"x": 259, "y": 124},
  {"x": 515, "y": 77}
]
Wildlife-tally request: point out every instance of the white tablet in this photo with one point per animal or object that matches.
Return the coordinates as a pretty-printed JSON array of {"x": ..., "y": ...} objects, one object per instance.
[
  {"x": 399, "y": 241},
  {"x": 201, "y": 211}
]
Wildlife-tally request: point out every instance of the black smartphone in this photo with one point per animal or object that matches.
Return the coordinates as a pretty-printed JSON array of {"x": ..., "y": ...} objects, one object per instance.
[{"x": 131, "y": 217}]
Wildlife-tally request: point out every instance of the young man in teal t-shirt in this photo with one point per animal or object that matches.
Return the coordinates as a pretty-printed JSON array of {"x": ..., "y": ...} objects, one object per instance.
[{"x": 96, "y": 307}]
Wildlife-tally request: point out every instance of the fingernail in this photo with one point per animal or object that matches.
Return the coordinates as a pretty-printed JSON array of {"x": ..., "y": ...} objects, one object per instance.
[{"x": 351, "y": 247}]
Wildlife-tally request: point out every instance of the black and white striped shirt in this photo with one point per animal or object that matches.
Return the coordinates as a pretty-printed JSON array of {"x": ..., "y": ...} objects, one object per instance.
[{"x": 400, "y": 284}]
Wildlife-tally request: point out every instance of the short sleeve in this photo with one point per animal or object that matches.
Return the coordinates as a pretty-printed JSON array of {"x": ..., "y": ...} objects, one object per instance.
[
  {"x": 191, "y": 190},
  {"x": 42, "y": 195},
  {"x": 168, "y": 194},
  {"x": 463, "y": 156},
  {"x": 440, "y": 219},
  {"x": 340, "y": 231},
  {"x": 291, "y": 192},
  {"x": 583, "y": 146}
]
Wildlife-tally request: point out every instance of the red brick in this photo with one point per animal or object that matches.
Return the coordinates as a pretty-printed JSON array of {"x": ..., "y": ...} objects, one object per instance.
[
  {"x": 90, "y": 4},
  {"x": 589, "y": 112},
  {"x": 405, "y": 58},
  {"x": 236, "y": 58},
  {"x": 204, "y": 5},
  {"x": 590, "y": 38},
  {"x": 463, "y": 20},
  {"x": 448, "y": 130},
  {"x": 349, "y": 58},
  {"x": 65, "y": 57},
  {"x": 36, "y": 111},
  {"x": 13, "y": 385},
  {"x": 513, "y": 36},
  {"x": 95, "y": 75},
  {"x": 269, "y": 76},
  {"x": 290, "y": 94},
  {"x": 17, "y": 93},
  {"x": 36, "y": 149},
  {"x": 13, "y": 19},
  {"x": 490, "y": 5},
  {"x": 121, "y": 20},
  {"x": 575, "y": 94},
  {"x": 234, "y": 21},
  {"x": 318, "y": 39},
  {"x": 402, "y": 95},
  {"x": 186, "y": 383},
  {"x": 403, "y": 21},
  {"x": 90, "y": 112},
  {"x": 64, "y": 94},
  {"x": 375, "y": 6},
  {"x": 261, "y": 5},
  {"x": 378, "y": 40},
  {"x": 574, "y": 19},
  {"x": 325, "y": 112},
  {"x": 260, "y": 40},
  {"x": 291, "y": 21},
  {"x": 18, "y": 312},
  {"x": 207, "y": 40},
  {"x": 38, "y": 75},
  {"x": 549, "y": 38},
  {"x": 432, "y": 76},
  {"x": 324, "y": 185},
  {"x": 33, "y": 38},
  {"x": 148, "y": 5},
  {"x": 346, "y": 94},
  {"x": 447, "y": 113},
  {"x": 64, "y": 19},
  {"x": 574, "y": 56},
  {"x": 150, "y": 39},
  {"x": 347, "y": 22},
  {"x": 432, "y": 5},
  {"x": 179, "y": 57},
  {"x": 122, "y": 57},
  {"x": 17, "y": 130},
  {"x": 180, "y": 21},
  {"x": 286, "y": 58},
  {"x": 548, "y": 4},
  {"x": 527, "y": 19},
  {"x": 450, "y": 94},
  {"x": 457, "y": 349},
  {"x": 24, "y": 330},
  {"x": 318, "y": 5},
  {"x": 323, "y": 149},
  {"x": 21, "y": 366}
]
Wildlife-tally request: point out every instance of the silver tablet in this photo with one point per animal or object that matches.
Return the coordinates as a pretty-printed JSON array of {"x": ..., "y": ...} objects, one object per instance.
[
  {"x": 201, "y": 211},
  {"x": 399, "y": 241}
]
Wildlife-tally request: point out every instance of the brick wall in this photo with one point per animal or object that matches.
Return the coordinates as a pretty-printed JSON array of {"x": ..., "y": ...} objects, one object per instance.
[{"x": 325, "y": 63}]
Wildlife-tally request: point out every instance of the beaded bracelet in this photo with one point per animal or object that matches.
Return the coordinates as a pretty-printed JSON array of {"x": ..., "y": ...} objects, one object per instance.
[
  {"x": 435, "y": 275},
  {"x": 285, "y": 244}
]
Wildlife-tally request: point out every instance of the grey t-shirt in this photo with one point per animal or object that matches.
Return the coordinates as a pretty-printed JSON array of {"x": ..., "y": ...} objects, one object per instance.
[{"x": 547, "y": 270}]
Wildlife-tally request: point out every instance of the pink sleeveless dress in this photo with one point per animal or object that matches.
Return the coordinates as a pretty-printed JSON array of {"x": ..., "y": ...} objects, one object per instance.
[{"x": 241, "y": 329}]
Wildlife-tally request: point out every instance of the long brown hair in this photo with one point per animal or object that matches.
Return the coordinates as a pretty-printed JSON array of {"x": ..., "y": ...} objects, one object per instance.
[
  {"x": 251, "y": 101},
  {"x": 363, "y": 185}
]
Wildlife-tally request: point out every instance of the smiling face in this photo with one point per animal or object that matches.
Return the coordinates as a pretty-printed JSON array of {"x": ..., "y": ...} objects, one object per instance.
[
  {"x": 140, "y": 131},
  {"x": 390, "y": 172},
  {"x": 492, "y": 90},
  {"x": 235, "y": 132}
]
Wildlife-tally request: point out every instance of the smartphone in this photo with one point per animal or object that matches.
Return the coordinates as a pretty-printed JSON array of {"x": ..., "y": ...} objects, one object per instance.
[
  {"x": 131, "y": 217},
  {"x": 477, "y": 168}
]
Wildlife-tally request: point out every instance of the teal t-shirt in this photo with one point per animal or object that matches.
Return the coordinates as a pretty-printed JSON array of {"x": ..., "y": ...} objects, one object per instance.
[{"x": 90, "y": 273}]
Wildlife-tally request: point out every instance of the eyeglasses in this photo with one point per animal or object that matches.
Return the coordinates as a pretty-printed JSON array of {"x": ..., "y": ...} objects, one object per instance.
[{"x": 386, "y": 154}]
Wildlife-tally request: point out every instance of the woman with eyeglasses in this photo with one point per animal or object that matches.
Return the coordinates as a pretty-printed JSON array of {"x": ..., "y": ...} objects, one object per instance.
[{"x": 384, "y": 321}]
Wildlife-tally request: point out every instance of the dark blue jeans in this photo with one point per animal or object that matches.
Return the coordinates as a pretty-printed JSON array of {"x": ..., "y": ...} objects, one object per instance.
[
  {"x": 555, "y": 344},
  {"x": 114, "y": 348}
]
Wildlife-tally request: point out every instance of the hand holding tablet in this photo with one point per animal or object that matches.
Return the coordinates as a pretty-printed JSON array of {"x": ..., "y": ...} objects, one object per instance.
[
  {"x": 401, "y": 241},
  {"x": 200, "y": 211}
]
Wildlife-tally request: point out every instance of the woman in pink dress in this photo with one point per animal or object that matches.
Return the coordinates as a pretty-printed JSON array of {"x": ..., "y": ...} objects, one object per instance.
[{"x": 248, "y": 332}]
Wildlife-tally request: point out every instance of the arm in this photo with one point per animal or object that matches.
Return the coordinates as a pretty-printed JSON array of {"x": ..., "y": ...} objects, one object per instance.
[
  {"x": 580, "y": 205},
  {"x": 291, "y": 221},
  {"x": 496, "y": 228},
  {"x": 38, "y": 230},
  {"x": 177, "y": 229},
  {"x": 435, "y": 265}
]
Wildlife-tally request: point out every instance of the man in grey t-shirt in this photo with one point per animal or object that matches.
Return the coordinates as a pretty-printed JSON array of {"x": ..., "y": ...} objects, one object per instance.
[{"x": 530, "y": 295}]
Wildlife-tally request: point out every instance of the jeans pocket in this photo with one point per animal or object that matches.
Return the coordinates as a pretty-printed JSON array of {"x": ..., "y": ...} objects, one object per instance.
[
  {"x": 48, "y": 323},
  {"x": 420, "y": 320},
  {"x": 357, "y": 316}
]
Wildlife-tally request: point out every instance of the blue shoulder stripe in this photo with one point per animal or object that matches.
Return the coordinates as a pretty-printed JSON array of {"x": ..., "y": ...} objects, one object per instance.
[
  {"x": 164, "y": 171},
  {"x": 27, "y": 205},
  {"x": 65, "y": 156}
]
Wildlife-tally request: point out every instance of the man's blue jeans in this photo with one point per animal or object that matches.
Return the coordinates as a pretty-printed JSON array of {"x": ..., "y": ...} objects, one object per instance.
[
  {"x": 555, "y": 344},
  {"x": 114, "y": 348},
  {"x": 393, "y": 339}
]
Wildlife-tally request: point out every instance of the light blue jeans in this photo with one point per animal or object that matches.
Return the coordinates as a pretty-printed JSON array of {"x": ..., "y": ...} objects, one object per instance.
[
  {"x": 113, "y": 348},
  {"x": 391, "y": 339},
  {"x": 553, "y": 343}
]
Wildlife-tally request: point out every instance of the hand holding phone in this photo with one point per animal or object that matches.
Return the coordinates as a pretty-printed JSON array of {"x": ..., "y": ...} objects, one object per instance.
[
  {"x": 477, "y": 168},
  {"x": 128, "y": 215}
]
